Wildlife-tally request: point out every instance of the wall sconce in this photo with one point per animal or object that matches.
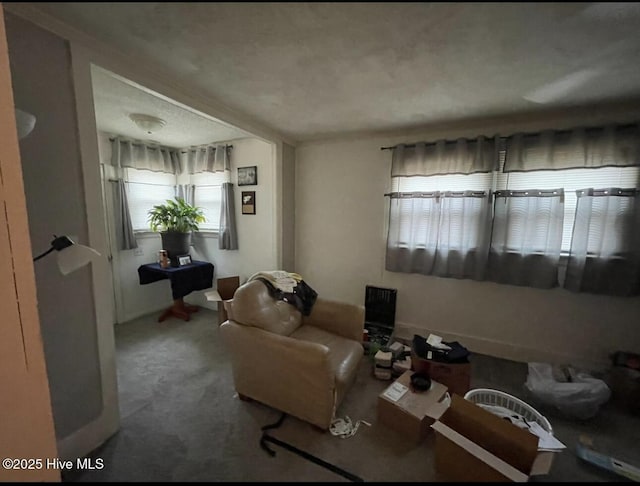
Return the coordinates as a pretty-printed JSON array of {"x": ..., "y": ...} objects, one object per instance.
[
  {"x": 71, "y": 256},
  {"x": 147, "y": 123}
]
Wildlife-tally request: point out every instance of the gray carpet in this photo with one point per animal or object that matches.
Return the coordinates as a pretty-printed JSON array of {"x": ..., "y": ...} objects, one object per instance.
[{"x": 182, "y": 421}]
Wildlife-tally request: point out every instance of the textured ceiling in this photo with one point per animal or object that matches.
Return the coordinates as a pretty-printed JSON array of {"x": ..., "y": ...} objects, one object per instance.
[
  {"x": 115, "y": 100},
  {"x": 312, "y": 70}
]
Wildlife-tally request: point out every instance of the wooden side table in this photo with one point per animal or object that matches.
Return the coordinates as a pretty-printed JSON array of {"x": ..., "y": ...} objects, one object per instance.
[{"x": 184, "y": 280}]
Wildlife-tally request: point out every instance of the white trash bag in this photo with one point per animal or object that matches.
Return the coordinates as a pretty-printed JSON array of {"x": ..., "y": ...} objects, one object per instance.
[{"x": 574, "y": 393}]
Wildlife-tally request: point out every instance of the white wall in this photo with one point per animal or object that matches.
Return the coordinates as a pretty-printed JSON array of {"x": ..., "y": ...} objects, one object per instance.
[
  {"x": 341, "y": 218},
  {"x": 256, "y": 236}
]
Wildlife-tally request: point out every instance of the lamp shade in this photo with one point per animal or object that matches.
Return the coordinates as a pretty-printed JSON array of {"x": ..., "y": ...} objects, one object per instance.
[
  {"x": 24, "y": 123},
  {"x": 74, "y": 257},
  {"x": 71, "y": 256}
]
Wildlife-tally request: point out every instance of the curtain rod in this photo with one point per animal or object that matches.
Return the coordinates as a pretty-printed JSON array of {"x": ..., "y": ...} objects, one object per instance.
[
  {"x": 228, "y": 147},
  {"x": 143, "y": 183},
  {"x": 627, "y": 125}
]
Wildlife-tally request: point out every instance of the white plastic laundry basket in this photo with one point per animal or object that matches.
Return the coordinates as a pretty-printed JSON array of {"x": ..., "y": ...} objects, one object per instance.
[{"x": 497, "y": 398}]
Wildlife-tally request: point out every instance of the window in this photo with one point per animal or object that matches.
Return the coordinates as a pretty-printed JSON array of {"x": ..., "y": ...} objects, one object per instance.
[
  {"x": 571, "y": 180},
  {"x": 208, "y": 195},
  {"x": 433, "y": 233},
  {"x": 465, "y": 222},
  {"x": 514, "y": 227},
  {"x": 145, "y": 190}
]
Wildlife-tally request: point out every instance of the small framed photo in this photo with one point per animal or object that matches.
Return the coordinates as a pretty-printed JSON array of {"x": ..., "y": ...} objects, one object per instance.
[
  {"x": 184, "y": 260},
  {"x": 248, "y": 176},
  {"x": 248, "y": 202}
]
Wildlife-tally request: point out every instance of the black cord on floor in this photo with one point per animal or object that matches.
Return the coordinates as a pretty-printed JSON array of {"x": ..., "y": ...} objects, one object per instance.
[
  {"x": 316, "y": 460},
  {"x": 277, "y": 424},
  {"x": 263, "y": 439}
]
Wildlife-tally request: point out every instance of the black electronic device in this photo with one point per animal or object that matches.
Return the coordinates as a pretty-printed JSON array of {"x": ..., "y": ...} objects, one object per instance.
[{"x": 380, "y": 313}]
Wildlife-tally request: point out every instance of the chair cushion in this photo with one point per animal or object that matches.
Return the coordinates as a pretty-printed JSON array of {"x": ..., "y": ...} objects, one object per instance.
[
  {"x": 344, "y": 355},
  {"x": 252, "y": 305}
]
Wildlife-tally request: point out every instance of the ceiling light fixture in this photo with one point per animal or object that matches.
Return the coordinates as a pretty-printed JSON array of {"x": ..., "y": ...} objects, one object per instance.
[{"x": 148, "y": 123}]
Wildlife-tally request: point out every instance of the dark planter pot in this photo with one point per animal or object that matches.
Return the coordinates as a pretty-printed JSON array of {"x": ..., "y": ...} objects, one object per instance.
[{"x": 176, "y": 244}]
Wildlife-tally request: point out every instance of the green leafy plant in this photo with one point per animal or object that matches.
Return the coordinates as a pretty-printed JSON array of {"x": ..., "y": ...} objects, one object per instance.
[{"x": 176, "y": 216}]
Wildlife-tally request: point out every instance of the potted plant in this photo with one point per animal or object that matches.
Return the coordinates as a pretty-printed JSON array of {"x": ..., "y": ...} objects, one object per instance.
[{"x": 175, "y": 220}]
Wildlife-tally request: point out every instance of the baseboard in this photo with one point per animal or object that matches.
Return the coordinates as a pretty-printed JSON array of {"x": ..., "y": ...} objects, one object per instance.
[
  {"x": 204, "y": 304},
  {"x": 88, "y": 438},
  {"x": 146, "y": 312},
  {"x": 130, "y": 317},
  {"x": 500, "y": 349}
]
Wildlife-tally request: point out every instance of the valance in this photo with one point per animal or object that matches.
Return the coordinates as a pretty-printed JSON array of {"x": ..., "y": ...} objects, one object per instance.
[
  {"x": 211, "y": 158},
  {"x": 461, "y": 156},
  {"x": 579, "y": 148},
  {"x": 138, "y": 155}
]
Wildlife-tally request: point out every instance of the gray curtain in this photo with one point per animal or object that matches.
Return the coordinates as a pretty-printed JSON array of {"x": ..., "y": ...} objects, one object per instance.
[
  {"x": 125, "y": 237},
  {"x": 444, "y": 234},
  {"x": 445, "y": 157},
  {"x": 138, "y": 155},
  {"x": 228, "y": 234},
  {"x": 527, "y": 237},
  {"x": 212, "y": 158},
  {"x": 186, "y": 192},
  {"x": 605, "y": 245},
  {"x": 579, "y": 148}
]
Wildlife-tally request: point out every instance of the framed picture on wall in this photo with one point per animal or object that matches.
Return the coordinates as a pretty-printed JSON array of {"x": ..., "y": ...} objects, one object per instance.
[
  {"x": 248, "y": 202},
  {"x": 248, "y": 176}
]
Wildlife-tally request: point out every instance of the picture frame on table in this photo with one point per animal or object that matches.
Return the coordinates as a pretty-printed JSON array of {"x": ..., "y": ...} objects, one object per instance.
[
  {"x": 248, "y": 176},
  {"x": 184, "y": 260}
]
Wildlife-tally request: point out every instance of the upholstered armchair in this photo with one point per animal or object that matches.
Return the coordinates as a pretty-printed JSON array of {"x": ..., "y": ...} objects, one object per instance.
[{"x": 301, "y": 365}]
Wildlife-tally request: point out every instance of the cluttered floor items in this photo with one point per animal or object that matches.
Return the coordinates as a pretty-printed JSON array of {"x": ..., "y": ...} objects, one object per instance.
[
  {"x": 478, "y": 429},
  {"x": 480, "y": 434},
  {"x": 487, "y": 435},
  {"x": 445, "y": 362},
  {"x": 484, "y": 434}
]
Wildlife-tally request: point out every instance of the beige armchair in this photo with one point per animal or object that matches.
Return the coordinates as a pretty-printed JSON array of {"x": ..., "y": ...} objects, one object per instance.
[{"x": 296, "y": 364}]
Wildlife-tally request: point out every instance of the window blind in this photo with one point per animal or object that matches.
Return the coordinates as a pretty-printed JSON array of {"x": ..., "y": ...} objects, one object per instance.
[
  {"x": 208, "y": 196},
  {"x": 453, "y": 182},
  {"x": 145, "y": 190},
  {"x": 571, "y": 180}
]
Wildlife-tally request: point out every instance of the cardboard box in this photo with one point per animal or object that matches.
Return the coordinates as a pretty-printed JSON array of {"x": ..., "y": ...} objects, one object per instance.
[
  {"x": 226, "y": 289},
  {"x": 455, "y": 376},
  {"x": 625, "y": 387},
  {"x": 475, "y": 445},
  {"x": 412, "y": 414}
]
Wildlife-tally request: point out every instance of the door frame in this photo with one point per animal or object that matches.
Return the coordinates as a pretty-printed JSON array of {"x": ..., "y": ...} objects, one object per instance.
[{"x": 92, "y": 435}]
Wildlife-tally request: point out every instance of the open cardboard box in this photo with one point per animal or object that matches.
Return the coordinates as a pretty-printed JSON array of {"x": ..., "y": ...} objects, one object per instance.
[
  {"x": 223, "y": 294},
  {"x": 473, "y": 444}
]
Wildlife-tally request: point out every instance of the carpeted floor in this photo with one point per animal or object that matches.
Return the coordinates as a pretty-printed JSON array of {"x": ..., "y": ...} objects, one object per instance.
[{"x": 182, "y": 421}]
